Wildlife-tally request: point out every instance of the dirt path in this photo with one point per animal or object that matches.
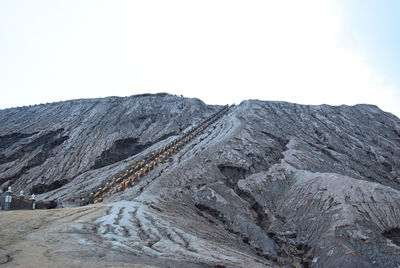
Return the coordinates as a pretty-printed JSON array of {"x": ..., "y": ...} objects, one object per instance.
[{"x": 41, "y": 238}]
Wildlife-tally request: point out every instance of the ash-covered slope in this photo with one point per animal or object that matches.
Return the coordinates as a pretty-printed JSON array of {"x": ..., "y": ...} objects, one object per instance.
[
  {"x": 46, "y": 146},
  {"x": 269, "y": 184}
]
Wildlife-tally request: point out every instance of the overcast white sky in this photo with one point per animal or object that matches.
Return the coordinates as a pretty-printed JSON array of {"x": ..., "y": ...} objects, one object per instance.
[{"x": 221, "y": 51}]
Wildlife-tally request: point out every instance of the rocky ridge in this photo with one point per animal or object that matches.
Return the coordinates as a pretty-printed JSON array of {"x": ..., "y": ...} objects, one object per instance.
[
  {"x": 269, "y": 184},
  {"x": 46, "y": 146}
]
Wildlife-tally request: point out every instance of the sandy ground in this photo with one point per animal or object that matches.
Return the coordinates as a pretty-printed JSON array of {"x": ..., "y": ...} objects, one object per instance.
[{"x": 29, "y": 239}]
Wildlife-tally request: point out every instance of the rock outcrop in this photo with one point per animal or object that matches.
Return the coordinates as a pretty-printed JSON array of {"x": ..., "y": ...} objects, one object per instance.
[
  {"x": 46, "y": 146},
  {"x": 268, "y": 184}
]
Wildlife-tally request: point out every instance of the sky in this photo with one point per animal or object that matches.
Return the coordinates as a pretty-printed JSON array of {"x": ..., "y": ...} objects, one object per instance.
[{"x": 220, "y": 51}]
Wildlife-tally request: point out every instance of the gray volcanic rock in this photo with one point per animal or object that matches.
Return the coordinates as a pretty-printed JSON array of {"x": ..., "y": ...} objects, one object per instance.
[
  {"x": 268, "y": 184},
  {"x": 236, "y": 214},
  {"x": 46, "y": 146}
]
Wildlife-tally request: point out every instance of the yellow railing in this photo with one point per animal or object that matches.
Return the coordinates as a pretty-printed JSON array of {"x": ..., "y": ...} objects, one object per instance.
[{"x": 129, "y": 177}]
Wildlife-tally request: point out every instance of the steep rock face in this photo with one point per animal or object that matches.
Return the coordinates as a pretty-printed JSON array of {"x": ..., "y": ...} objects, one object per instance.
[
  {"x": 46, "y": 146},
  {"x": 269, "y": 184}
]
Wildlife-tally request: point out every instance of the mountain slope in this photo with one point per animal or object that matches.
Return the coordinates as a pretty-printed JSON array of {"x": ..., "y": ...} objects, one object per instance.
[
  {"x": 46, "y": 146},
  {"x": 270, "y": 183}
]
